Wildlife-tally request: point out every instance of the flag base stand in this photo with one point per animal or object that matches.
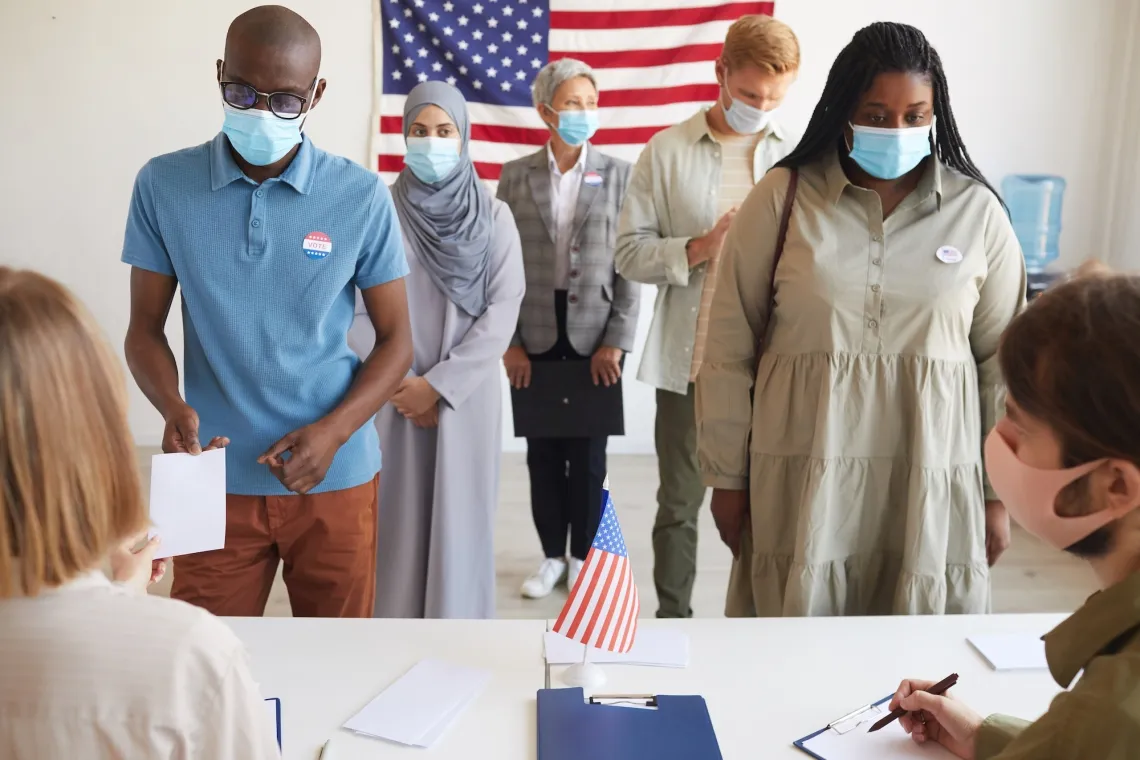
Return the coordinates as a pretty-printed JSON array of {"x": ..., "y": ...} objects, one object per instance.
[{"x": 584, "y": 674}]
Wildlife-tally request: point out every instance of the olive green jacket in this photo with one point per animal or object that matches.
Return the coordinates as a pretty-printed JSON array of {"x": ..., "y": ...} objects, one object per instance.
[{"x": 1099, "y": 719}]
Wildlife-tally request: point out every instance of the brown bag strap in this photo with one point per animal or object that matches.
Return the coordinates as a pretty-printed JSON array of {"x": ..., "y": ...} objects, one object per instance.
[{"x": 781, "y": 238}]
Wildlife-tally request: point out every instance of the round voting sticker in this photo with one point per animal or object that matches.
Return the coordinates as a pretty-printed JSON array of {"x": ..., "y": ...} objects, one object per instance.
[
  {"x": 948, "y": 254},
  {"x": 592, "y": 179},
  {"x": 316, "y": 245}
]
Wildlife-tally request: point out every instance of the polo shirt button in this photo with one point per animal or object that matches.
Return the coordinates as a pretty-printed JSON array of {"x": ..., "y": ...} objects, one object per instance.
[
  {"x": 256, "y": 223},
  {"x": 259, "y": 193},
  {"x": 574, "y": 273},
  {"x": 877, "y": 238},
  {"x": 872, "y": 324},
  {"x": 874, "y": 288},
  {"x": 876, "y": 262},
  {"x": 572, "y": 298},
  {"x": 575, "y": 249}
]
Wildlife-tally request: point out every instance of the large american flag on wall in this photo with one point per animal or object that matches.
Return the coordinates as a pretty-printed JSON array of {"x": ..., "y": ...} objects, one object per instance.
[{"x": 653, "y": 59}]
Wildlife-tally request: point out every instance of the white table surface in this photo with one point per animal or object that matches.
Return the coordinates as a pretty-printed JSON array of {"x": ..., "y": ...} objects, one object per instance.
[
  {"x": 767, "y": 682},
  {"x": 325, "y": 670},
  {"x": 770, "y": 681}
]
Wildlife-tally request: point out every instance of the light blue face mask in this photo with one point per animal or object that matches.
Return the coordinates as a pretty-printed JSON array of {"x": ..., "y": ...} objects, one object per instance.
[
  {"x": 576, "y": 127},
  {"x": 432, "y": 159},
  {"x": 260, "y": 137},
  {"x": 889, "y": 153}
]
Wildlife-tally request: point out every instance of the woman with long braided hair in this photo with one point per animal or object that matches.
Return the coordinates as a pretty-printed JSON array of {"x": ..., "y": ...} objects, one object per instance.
[{"x": 851, "y": 367}]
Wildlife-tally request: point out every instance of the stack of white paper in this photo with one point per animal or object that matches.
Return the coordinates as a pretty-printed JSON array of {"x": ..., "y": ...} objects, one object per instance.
[
  {"x": 1011, "y": 651},
  {"x": 188, "y": 502},
  {"x": 419, "y": 707},
  {"x": 659, "y": 647}
]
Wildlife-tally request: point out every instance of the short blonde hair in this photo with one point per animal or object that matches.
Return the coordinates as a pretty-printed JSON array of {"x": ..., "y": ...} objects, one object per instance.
[
  {"x": 69, "y": 485},
  {"x": 764, "y": 42}
]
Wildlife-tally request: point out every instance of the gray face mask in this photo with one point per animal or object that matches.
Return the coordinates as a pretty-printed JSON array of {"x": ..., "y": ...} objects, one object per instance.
[{"x": 743, "y": 118}]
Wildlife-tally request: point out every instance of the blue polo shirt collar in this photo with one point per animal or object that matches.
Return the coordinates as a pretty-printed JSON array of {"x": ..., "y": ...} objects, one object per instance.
[{"x": 224, "y": 170}]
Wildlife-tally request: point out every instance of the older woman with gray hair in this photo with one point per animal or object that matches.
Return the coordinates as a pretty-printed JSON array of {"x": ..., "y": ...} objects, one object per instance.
[
  {"x": 440, "y": 436},
  {"x": 577, "y": 320}
]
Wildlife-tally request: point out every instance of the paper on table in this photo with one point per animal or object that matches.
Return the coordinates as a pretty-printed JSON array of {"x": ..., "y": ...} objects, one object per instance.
[
  {"x": 1011, "y": 651},
  {"x": 659, "y": 647},
  {"x": 420, "y": 706},
  {"x": 889, "y": 743},
  {"x": 188, "y": 502}
]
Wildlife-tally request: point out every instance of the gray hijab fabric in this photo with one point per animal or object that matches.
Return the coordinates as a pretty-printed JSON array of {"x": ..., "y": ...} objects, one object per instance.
[{"x": 448, "y": 223}]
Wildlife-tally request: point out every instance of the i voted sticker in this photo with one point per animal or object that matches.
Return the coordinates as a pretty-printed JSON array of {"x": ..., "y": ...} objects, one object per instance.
[
  {"x": 592, "y": 179},
  {"x": 948, "y": 254},
  {"x": 316, "y": 245}
]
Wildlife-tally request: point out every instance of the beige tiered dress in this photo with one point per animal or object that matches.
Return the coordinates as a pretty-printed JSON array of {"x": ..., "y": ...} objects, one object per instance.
[{"x": 863, "y": 450}]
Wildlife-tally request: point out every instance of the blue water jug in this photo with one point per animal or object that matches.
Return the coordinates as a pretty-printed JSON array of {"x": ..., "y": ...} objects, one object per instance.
[{"x": 1034, "y": 202}]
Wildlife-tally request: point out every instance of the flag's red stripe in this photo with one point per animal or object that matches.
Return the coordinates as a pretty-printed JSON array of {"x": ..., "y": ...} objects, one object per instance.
[
  {"x": 588, "y": 593},
  {"x": 631, "y": 630},
  {"x": 387, "y": 162},
  {"x": 635, "y": 19},
  {"x": 633, "y": 59},
  {"x": 624, "y": 606},
  {"x": 603, "y": 601},
  {"x": 612, "y": 607},
  {"x": 613, "y": 616},
  {"x": 660, "y": 96}
]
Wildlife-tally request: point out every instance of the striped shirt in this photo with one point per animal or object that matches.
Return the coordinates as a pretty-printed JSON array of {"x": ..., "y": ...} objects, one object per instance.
[
  {"x": 93, "y": 670},
  {"x": 735, "y": 184}
]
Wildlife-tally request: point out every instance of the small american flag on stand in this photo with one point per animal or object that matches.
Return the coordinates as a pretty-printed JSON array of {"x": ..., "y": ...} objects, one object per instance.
[
  {"x": 602, "y": 609},
  {"x": 653, "y": 59}
]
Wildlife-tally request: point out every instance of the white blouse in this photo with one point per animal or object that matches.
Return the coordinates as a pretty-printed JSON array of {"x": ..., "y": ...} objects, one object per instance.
[{"x": 94, "y": 670}]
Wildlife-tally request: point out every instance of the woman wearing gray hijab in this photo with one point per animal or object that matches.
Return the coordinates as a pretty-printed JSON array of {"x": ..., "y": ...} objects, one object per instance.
[{"x": 440, "y": 435}]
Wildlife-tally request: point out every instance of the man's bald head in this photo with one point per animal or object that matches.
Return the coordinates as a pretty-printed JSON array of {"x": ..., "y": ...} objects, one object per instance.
[
  {"x": 273, "y": 49},
  {"x": 274, "y": 26}
]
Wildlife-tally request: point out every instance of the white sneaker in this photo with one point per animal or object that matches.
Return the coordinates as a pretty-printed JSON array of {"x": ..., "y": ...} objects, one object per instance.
[
  {"x": 549, "y": 573},
  {"x": 573, "y": 572}
]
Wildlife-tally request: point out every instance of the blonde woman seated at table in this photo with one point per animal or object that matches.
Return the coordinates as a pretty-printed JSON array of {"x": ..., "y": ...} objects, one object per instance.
[
  {"x": 1066, "y": 462},
  {"x": 90, "y": 667}
]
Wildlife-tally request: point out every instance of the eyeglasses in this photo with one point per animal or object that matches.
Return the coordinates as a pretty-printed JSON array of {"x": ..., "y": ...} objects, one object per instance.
[{"x": 284, "y": 105}]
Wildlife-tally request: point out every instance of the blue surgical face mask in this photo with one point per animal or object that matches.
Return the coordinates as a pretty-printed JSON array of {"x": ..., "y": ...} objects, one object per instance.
[
  {"x": 744, "y": 119},
  {"x": 260, "y": 137},
  {"x": 889, "y": 153},
  {"x": 432, "y": 158},
  {"x": 576, "y": 127}
]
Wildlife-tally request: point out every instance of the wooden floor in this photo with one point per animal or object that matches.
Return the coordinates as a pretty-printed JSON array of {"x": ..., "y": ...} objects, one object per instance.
[{"x": 1029, "y": 578}]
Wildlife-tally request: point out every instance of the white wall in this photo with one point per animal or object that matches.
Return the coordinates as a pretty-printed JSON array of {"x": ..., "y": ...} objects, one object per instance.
[{"x": 92, "y": 90}]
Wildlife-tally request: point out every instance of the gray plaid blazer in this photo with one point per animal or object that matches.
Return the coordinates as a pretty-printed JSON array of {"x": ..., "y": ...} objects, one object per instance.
[{"x": 603, "y": 305}]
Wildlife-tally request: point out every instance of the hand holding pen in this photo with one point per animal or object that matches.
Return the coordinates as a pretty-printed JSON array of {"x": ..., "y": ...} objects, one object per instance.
[{"x": 928, "y": 712}]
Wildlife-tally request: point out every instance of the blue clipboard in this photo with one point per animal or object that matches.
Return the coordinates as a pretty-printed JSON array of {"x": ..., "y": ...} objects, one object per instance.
[
  {"x": 274, "y": 705},
  {"x": 849, "y": 717}
]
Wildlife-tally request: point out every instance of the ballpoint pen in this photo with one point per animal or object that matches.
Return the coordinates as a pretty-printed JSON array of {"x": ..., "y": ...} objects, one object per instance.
[{"x": 937, "y": 689}]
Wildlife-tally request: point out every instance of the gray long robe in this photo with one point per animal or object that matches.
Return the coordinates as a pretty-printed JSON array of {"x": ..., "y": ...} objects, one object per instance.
[{"x": 439, "y": 488}]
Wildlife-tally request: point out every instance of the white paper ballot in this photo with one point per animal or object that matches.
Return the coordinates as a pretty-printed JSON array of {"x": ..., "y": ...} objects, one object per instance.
[
  {"x": 889, "y": 743},
  {"x": 188, "y": 502},
  {"x": 418, "y": 708},
  {"x": 1011, "y": 651},
  {"x": 658, "y": 647}
]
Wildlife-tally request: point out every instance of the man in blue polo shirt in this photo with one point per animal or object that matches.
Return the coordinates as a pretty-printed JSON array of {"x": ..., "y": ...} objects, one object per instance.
[{"x": 268, "y": 238}]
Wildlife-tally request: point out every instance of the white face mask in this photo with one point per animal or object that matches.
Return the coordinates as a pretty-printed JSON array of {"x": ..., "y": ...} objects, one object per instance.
[{"x": 743, "y": 118}]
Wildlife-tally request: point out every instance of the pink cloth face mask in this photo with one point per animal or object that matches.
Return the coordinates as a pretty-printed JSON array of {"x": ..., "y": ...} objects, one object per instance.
[{"x": 1030, "y": 495}]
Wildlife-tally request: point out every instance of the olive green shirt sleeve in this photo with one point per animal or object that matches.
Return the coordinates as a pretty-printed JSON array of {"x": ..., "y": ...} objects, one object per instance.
[
  {"x": 1001, "y": 297},
  {"x": 996, "y": 733},
  {"x": 1078, "y": 726},
  {"x": 737, "y": 322}
]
